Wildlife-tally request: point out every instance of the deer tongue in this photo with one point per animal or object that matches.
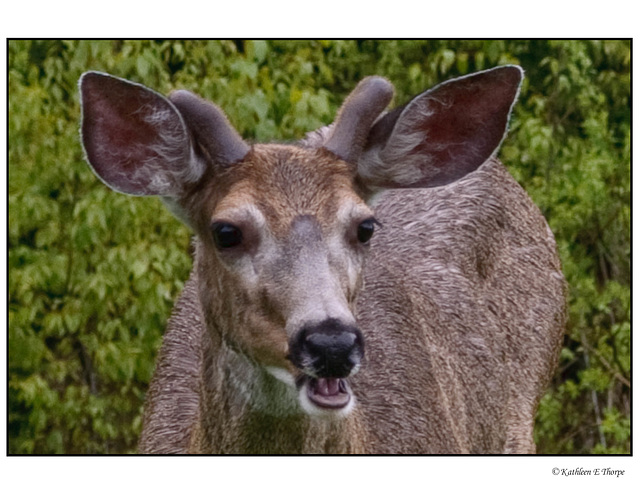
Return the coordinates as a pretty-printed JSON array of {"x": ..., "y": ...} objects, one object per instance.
[{"x": 332, "y": 393}]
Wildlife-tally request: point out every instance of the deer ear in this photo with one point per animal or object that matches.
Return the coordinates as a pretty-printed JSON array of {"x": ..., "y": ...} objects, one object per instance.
[
  {"x": 348, "y": 134},
  {"x": 442, "y": 134},
  {"x": 134, "y": 138}
]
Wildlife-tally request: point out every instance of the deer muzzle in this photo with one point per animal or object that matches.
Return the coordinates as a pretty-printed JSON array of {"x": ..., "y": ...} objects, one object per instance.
[{"x": 327, "y": 353}]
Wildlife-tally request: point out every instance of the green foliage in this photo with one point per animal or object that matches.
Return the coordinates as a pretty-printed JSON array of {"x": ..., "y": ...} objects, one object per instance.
[{"x": 93, "y": 274}]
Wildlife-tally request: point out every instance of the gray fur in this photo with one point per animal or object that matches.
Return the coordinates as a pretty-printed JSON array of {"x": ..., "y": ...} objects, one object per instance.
[
  {"x": 461, "y": 299},
  {"x": 462, "y": 310},
  {"x": 348, "y": 135},
  {"x": 211, "y": 127}
]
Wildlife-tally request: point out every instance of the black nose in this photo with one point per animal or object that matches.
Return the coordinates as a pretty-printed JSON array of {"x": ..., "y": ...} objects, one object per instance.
[{"x": 330, "y": 349}]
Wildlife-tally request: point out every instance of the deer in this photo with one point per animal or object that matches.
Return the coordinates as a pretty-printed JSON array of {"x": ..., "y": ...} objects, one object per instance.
[{"x": 381, "y": 286}]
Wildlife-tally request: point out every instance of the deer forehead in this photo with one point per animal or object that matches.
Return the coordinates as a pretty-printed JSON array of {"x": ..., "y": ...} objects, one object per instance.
[{"x": 275, "y": 184}]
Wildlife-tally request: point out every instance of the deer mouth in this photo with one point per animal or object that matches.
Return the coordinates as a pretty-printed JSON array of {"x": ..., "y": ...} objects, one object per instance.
[{"x": 327, "y": 393}]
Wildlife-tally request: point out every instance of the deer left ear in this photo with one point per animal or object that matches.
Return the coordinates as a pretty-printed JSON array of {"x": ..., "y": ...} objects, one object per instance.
[
  {"x": 139, "y": 142},
  {"x": 442, "y": 134},
  {"x": 134, "y": 138}
]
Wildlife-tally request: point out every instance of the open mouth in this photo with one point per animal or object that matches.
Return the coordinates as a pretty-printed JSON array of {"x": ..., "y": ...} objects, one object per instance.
[{"x": 327, "y": 393}]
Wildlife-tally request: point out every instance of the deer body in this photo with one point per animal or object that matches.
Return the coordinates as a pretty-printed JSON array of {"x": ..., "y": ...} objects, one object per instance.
[{"x": 301, "y": 332}]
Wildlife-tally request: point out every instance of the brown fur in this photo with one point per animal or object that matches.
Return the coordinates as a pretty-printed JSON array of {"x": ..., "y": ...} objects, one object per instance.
[
  {"x": 459, "y": 346},
  {"x": 293, "y": 182},
  {"x": 459, "y": 298}
]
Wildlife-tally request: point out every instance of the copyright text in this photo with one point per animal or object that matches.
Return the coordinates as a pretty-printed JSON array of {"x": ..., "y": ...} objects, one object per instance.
[{"x": 605, "y": 471}]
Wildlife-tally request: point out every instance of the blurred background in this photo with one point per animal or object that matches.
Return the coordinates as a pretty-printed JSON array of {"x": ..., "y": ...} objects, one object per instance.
[{"x": 93, "y": 274}]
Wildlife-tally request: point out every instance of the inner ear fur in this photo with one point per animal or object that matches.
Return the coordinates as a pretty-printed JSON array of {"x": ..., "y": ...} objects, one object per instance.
[
  {"x": 139, "y": 142},
  {"x": 442, "y": 134}
]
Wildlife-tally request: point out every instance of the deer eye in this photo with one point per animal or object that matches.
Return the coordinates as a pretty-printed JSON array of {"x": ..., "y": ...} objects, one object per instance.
[
  {"x": 226, "y": 235},
  {"x": 366, "y": 229}
]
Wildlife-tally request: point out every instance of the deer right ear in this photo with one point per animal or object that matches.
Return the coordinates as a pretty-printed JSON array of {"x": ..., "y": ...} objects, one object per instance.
[
  {"x": 139, "y": 142},
  {"x": 442, "y": 134}
]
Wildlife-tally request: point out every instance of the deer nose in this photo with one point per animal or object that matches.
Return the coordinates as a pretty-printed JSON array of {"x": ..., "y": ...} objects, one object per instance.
[{"x": 329, "y": 349}]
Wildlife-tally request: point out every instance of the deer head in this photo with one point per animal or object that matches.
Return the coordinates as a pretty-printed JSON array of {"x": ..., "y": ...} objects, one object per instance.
[{"x": 284, "y": 230}]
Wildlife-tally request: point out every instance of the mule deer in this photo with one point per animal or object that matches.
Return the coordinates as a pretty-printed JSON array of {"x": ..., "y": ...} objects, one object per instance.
[{"x": 299, "y": 330}]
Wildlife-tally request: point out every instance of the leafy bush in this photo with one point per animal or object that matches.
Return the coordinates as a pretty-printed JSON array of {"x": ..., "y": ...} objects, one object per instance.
[{"x": 93, "y": 275}]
